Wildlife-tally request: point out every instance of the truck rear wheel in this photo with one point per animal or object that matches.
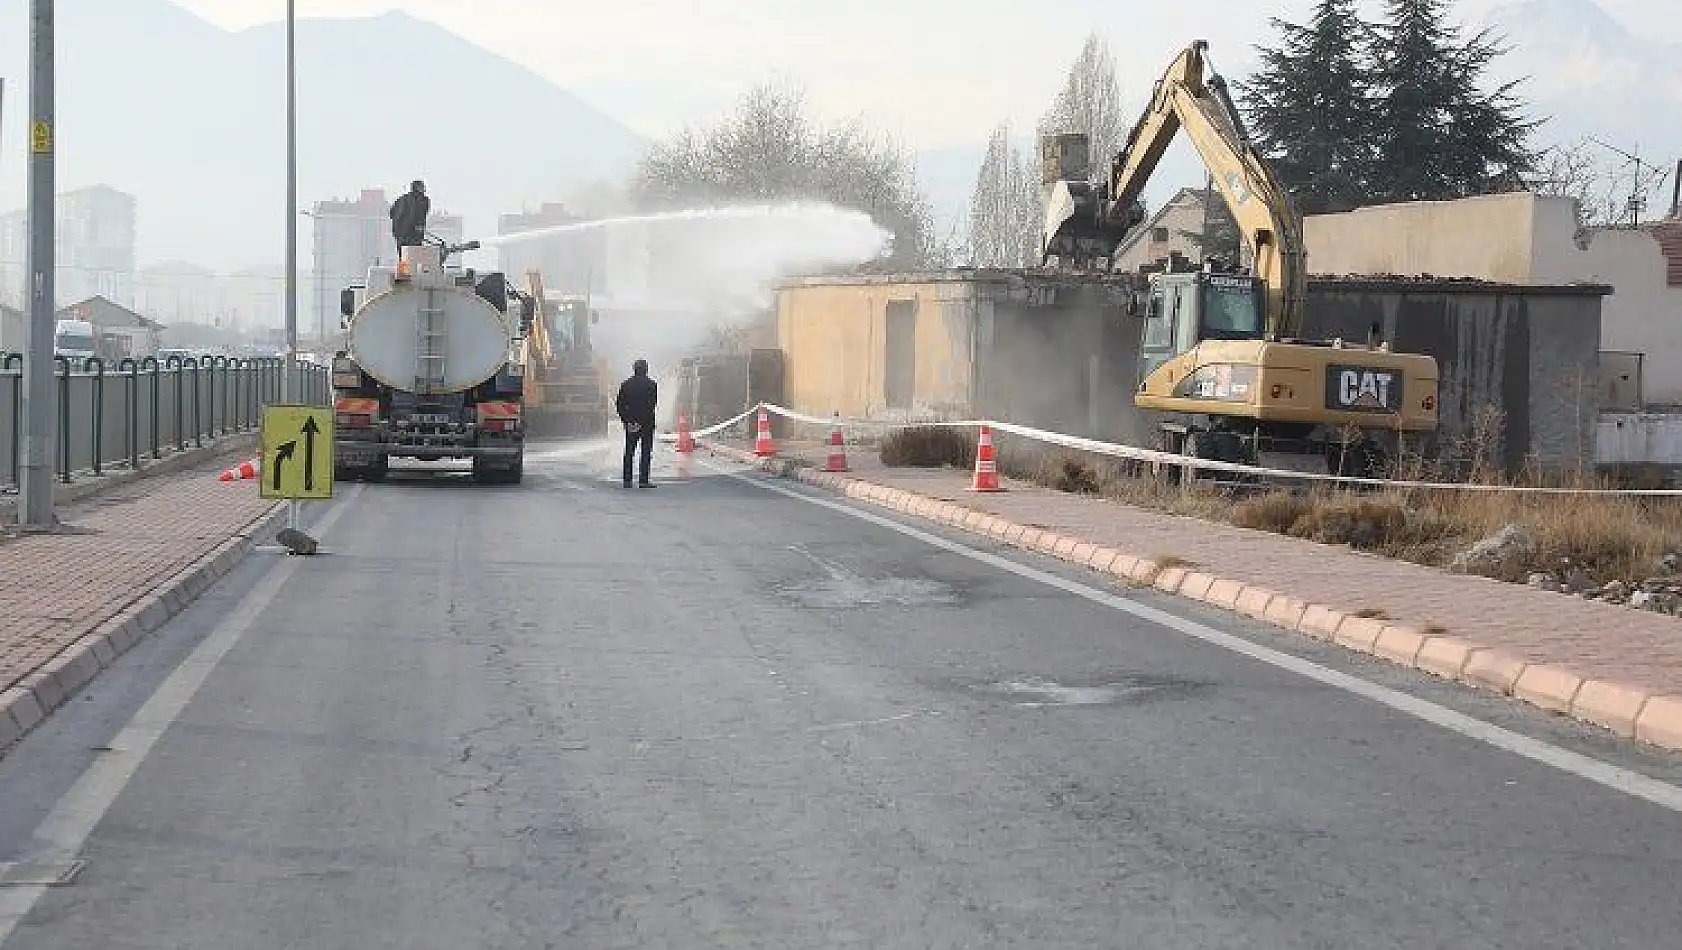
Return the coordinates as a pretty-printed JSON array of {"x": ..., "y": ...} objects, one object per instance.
[{"x": 507, "y": 473}]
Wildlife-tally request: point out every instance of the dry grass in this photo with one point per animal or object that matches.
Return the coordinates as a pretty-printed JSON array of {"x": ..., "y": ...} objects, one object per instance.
[
  {"x": 928, "y": 447},
  {"x": 1611, "y": 538}
]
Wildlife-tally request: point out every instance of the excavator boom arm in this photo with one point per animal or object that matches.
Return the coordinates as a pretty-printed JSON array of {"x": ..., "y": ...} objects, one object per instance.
[{"x": 1258, "y": 202}]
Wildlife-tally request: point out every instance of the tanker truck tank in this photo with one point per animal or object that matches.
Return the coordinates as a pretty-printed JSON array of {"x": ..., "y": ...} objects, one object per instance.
[{"x": 431, "y": 369}]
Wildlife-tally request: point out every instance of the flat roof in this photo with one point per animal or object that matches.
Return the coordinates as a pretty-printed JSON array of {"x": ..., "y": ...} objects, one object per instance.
[
  {"x": 1457, "y": 285},
  {"x": 959, "y": 275},
  {"x": 1353, "y": 282}
]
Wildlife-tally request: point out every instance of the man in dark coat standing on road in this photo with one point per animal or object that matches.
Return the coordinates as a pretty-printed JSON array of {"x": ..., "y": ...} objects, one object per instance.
[
  {"x": 638, "y": 397},
  {"x": 408, "y": 217}
]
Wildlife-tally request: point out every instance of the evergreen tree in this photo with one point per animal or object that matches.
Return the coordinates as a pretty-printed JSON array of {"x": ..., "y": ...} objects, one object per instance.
[
  {"x": 1310, "y": 108},
  {"x": 1440, "y": 136}
]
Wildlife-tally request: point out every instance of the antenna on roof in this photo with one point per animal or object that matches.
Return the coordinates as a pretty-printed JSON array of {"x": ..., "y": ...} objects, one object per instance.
[{"x": 1638, "y": 183}]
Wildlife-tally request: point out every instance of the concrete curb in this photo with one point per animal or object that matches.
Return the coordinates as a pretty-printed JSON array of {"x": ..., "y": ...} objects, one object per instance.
[
  {"x": 29, "y": 701},
  {"x": 88, "y": 485},
  {"x": 1630, "y": 711}
]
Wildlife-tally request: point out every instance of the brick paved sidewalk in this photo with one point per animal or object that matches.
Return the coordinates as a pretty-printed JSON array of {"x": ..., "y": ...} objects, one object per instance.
[
  {"x": 1603, "y": 663},
  {"x": 117, "y": 548}
]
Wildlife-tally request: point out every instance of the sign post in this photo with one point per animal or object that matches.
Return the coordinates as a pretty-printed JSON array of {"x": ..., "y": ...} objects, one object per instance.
[
  {"x": 290, "y": 364},
  {"x": 297, "y": 463}
]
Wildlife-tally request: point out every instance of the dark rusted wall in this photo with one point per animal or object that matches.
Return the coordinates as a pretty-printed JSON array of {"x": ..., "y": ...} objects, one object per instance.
[{"x": 1518, "y": 367}]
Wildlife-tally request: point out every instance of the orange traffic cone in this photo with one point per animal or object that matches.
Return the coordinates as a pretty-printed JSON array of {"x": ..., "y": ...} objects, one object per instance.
[
  {"x": 246, "y": 469},
  {"x": 986, "y": 463},
  {"x": 685, "y": 438},
  {"x": 762, "y": 444},
  {"x": 837, "y": 449}
]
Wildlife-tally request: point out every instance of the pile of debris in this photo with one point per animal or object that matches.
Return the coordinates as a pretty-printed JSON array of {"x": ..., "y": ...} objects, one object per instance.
[{"x": 1660, "y": 593}]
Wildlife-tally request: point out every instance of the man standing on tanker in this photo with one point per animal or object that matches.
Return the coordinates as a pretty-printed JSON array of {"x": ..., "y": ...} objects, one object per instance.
[
  {"x": 638, "y": 397},
  {"x": 408, "y": 217}
]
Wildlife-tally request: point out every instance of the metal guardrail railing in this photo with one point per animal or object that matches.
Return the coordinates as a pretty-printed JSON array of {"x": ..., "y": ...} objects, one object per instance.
[{"x": 114, "y": 416}]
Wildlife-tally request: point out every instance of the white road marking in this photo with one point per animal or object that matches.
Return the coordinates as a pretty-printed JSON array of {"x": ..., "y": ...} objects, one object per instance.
[
  {"x": 1612, "y": 776},
  {"x": 64, "y": 832}
]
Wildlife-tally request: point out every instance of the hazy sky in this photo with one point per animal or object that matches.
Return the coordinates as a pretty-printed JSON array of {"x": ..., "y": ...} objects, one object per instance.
[{"x": 929, "y": 71}]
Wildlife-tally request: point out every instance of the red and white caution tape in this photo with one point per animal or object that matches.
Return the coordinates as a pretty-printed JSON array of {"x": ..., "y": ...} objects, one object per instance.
[{"x": 1136, "y": 453}]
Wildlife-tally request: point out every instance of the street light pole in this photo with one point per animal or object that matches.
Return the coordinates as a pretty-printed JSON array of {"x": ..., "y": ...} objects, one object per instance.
[
  {"x": 291, "y": 202},
  {"x": 35, "y": 469},
  {"x": 286, "y": 382}
]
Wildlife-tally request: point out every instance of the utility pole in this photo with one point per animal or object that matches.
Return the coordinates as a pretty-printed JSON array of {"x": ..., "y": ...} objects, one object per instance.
[
  {"x": 286, "y": 381},
  {"x": 291, "y": 202},
  {"x": 1637, "y": 199},
  {"x": 1676, "y": 192},
  {"x": 35, "y": 469}
]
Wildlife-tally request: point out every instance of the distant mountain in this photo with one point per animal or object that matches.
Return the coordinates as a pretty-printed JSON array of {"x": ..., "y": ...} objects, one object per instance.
[
  {"x": 190, "y": 119},
  {"x": 1583, "y": 71},
  {"x": 1590, "y": 76}
]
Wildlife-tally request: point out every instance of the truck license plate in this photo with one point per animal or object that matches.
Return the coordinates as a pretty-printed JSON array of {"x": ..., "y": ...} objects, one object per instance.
[{"x": 430, "y": 418}]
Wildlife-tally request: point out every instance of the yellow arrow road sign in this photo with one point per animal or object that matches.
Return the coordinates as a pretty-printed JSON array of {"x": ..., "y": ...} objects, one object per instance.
[{"x": 297, "y": 452}]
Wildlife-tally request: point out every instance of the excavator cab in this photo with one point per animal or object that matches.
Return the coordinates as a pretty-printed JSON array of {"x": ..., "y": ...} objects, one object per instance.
[{"x": 1189, "y": 308}]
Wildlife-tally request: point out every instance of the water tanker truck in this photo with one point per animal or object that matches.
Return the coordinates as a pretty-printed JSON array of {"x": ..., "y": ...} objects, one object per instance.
[{"x": 432, "y": 367}]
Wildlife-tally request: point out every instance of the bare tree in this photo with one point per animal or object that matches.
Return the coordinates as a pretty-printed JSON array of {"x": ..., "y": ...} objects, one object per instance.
[
  {"x": 1026, "y": 208},
  {"x": 1007, "y": 206},
  {"x": 1003, "y": 215},
  {"x": 1574, "y": 171},
  {"x": 986, "y": 220},
  {"x": 1603, "y": 183},
  {"x": 1090, "y": 102},
  {"x": 770, "y": 149}
]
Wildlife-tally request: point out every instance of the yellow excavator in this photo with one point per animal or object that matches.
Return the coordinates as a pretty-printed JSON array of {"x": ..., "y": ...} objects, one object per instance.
[
  {"x": 564, "y": 394},
  {"x": 1220, "y": 371}
]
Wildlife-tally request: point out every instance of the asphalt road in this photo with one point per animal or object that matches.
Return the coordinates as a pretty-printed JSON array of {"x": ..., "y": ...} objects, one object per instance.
[{"x": 565, "y": 714}]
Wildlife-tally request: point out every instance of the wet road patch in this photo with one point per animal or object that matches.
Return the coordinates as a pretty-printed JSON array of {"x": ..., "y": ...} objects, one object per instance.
[
  {"x": 841, "y": 589},
  {"x": 1035, "y": 692}
]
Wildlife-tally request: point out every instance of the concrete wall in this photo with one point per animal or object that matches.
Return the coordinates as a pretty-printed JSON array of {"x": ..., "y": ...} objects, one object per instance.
[
  {"x": 1524, "y": 239},
  {"x": 1518, "y": 366},
  {"x": 1034, "y": 349},
  {"x": 834, "y": 340},
  {"x": 1644, "y": 314},
  {"x": 1635, "y": 439},
  {"x": 1489, "y": 237}
]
